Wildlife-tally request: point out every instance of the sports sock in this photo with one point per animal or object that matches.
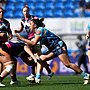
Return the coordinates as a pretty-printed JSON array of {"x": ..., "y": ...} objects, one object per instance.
[
  {"x": 84, "y": 74},
  {"x": 38, "y": 76},
  {"x": 1, "y": 79}
]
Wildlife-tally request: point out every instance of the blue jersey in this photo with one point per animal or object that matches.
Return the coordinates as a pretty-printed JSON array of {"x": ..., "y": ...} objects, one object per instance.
[{"x": 49, "y": 39}]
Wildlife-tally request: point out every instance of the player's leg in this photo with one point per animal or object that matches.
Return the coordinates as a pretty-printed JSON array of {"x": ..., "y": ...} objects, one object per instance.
[
  {"x": 31, "y": 77},
  {"x": 13, "y": 73},
  {"x": 85, "y": 63},
  {"x": 30, "y": 62},
  {"x": 65, "y": 60},
  {"x": 80, "y": 61},
  {"x": 28, "y": 50},
  {"x": 45, "y": 51},
  {"x": 7, "y": 61},
  {"x": 9, "y": 64},
  {"x": 50, "y": 73},
  {"x": 40, "y": 65}
]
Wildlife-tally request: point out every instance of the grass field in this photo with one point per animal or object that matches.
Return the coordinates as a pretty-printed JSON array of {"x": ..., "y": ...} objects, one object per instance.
[{"x": 70, "y": 82}]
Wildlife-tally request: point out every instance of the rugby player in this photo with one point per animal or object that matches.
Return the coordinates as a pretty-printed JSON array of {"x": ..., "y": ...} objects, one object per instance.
[{"x": 56, "y": 46}]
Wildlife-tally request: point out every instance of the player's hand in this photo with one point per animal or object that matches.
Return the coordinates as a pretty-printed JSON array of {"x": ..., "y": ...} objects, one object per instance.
[
  {"x": 18, "y": 36},
  {"x": 2, "y": 34},
  {"x": 15, "y": 31}
]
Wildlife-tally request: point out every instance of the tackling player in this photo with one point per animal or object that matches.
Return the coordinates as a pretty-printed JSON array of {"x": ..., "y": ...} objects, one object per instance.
[
  {"x": 29, "y": 34},
  {"x": 5, "y": 33},
  {"x": 56, "y": 46}
]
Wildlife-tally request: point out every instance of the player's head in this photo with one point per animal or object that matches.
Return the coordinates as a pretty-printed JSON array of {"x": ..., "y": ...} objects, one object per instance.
[
  {"x": 79, "y": 37},
  {"x": 1, "y": 12},
  {"x": 35, "y": 23},
  {"x": 26, "y": 10}
]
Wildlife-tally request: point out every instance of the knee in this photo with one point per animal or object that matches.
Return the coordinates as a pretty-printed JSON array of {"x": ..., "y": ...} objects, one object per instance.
[{"x": 9, "y": 67}]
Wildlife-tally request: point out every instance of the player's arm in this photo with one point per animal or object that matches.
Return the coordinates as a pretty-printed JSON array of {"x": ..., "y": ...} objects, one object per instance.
[
  {"x": 88, "y": 32},
  {"x": 32, "y": 42},
  {"x": 10, "y": 35},
  {"x": 20, "y": 29}
]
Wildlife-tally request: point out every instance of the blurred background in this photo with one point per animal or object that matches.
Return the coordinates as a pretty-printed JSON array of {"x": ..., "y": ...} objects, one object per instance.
[{"x": 66, "y": 18}]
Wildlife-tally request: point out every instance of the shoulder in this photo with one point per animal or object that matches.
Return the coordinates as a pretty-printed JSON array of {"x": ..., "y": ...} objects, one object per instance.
[
  {"x": 40, "y": 28},
  {"x": 5, "y": 20},
  {"x": 32, "y": 16},
  {"x": 23, "y": 19},
  {"x": 39, "y": 31}
]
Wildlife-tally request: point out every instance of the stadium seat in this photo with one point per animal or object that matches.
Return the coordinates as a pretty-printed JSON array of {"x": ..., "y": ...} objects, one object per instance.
[
  {"x": 87, "y": 13},
  {"x": 21, "y": 1},
  {"x": 40, "y": 1},
  {"x": 69, "y": 13},
  {"x": 31, "y": 5},
  {"x": 10, "y": 6},
  {"x": 49, "y": 5},
  {"x": 59, "y": 5},
  {"x": 39, "y": 6},
  {"x": 11, "y": 1},
  {"x": 78, "y": 13},
  {"x": 30, "y": 1},
  {"x": 67, "y": 1},
  {"x": 69, "y": 5},
  {"x": 76, "y": 5},
  {"x": 50, "y": 0},
  {"x": 58, "y": 13},
  {"x": 39, "y": 13},
  {"x": 18, "y": 14},
  {"x": 8, "y": 14},
  {"x": 61, "y": 0},
  {"x": 19, "y": 6},
  {"x": 48, "y": 13},
  {"x": 32, "y": 12}
]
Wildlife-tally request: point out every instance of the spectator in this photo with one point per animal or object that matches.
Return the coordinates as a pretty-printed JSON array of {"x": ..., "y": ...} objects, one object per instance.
[
  {"x": 81, "y": 44},
  {"x": 80, "y": 11}
]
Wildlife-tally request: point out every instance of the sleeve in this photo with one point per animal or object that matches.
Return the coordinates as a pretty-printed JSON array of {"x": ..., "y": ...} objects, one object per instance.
[
  {"x": 39, "y": 32},
  {"x": 9, "y": 29}
]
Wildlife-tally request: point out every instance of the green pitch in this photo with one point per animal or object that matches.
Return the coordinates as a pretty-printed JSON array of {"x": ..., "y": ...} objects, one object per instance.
[{"x": 70, "y": 82}]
